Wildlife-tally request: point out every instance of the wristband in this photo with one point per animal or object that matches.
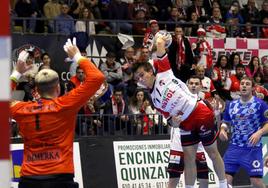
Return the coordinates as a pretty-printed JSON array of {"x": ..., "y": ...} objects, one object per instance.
[
  {"x": 76, "y": 57},
  {"x": 224, "y": 125},
  {"x": 15, "y": 76}
]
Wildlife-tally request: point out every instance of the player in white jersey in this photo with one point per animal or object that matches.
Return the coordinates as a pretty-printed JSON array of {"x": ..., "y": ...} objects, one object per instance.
[
  {"x": 176, "y": 162},
  {"x": 173, "y": 99}
]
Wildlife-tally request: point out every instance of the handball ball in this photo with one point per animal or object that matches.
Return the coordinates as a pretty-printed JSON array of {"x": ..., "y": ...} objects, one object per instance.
[{"x": 164, "y": 33}]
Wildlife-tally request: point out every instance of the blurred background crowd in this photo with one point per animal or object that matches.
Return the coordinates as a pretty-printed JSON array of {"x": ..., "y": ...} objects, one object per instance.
[
  {"x": 122, "y": 106},
  {"x": 68, "y": 16}
]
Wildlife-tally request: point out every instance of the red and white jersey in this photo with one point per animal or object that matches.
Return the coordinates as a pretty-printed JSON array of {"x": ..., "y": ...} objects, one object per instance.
[
  {"x": 148, "y": 40},
  {"x": 258, "y": 89},
  {"x": 207, "y": 87},
  {"x": 170, "y": 95},
  {"x": 233, "y": 85},
  {"x": 175, "y": 139}
]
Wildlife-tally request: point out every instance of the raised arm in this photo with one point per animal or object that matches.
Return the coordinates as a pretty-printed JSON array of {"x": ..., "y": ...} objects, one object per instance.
[
  {"x": 20, "y": 68},
  {"x": 93, "y": 78},
  {"x": 161, "y": 64}
]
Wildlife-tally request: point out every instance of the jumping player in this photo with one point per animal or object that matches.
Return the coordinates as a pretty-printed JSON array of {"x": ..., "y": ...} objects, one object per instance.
[{"x": 173, "y": 99}]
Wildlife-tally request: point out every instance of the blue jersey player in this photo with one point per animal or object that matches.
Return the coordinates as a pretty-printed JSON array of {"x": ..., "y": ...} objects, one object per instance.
[{"x": 248, "y": 119}]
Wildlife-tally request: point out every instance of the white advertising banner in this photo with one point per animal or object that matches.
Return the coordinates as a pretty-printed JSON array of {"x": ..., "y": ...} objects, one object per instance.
[{"x": 143, "y": 164}]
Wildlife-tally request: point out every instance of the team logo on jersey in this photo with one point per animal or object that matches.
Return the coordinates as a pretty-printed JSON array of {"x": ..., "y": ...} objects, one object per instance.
[
  {"x": 183, "y": 132},
  {"x": 174, "y": 159},
  {"x": 266, "y": 114},
  {"x": 235, "y": 110},
  {"x": 175, "y": 81},
  {"x": 162, "y": 83},
  {"x": 202, "y": 128},
  {"x": 251, "y": 111},
  {"x": 256, "y": 164},
  {"x": 167, "y": 96}
]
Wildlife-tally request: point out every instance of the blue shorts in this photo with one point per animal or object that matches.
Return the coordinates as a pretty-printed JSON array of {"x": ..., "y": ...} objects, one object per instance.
[{"x": 248, "y": 158}]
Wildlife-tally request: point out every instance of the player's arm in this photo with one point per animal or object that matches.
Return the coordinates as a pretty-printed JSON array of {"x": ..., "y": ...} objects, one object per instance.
[
  {"x": 160, "y": 46},
  {"x": 255, "y": 138},
  {"x": 176, "y": 120},
  {"x": 20, "y": 68},
  {"x": 161, "y": 64},
  {"x": 93, "y": 79},
  {"x": 226, "y": 122},
  {"x": 266, "y": 161}
]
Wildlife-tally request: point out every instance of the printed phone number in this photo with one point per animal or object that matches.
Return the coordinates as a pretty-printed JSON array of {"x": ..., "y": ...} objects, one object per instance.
[{"x": 145, "y": 185}]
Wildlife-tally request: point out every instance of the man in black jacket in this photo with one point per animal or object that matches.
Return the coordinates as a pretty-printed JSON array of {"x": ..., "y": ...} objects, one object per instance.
[{"x": 180, "y": 56}]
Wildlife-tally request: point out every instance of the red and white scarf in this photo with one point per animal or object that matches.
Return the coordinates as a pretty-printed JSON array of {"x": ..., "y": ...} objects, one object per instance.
[
  {"x": 181, "y": 53},
  {"x": 206, "y": 49},
  {"x": 118, "y": 109}
]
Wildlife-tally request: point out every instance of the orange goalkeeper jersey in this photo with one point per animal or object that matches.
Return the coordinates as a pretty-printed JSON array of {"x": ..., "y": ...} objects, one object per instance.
[{"x": 47, "y": 126}]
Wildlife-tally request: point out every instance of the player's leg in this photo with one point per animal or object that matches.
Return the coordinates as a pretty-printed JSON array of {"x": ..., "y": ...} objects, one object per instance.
[
  {"x": 257, "y": 182},
  {"x": 203, "y": 183},
  {"x": 232, "y": 158},
  {"x": 208, "y": 138},
  {"x": 173, "y": 182},
  {"x": 208, "y": 133},
  {"x": 202, "y": 120},
  {"x": 218, "y": 164},
  {"x": 189, "y": 141},
  {"x": 175, "y": 168},
  {"x": 253, "y": 163},
  {"x": 202, "y": 169},
  {"x": 189, "y": 164},
  {"x": 229, "y": 178}
]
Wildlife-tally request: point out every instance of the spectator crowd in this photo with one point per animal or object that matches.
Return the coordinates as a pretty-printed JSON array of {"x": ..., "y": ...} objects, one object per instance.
[
  {"x": 131, "y": 16},
  {"x": 122, "y": 104}
]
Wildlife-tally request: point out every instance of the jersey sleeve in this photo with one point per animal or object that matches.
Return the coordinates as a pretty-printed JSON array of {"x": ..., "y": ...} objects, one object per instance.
[
  {"x": 15, "y": 106},
  {"x": 77, "y": 97},
  {"x": 212, "y": 87},
  {"x": 162, "y": 64}
]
